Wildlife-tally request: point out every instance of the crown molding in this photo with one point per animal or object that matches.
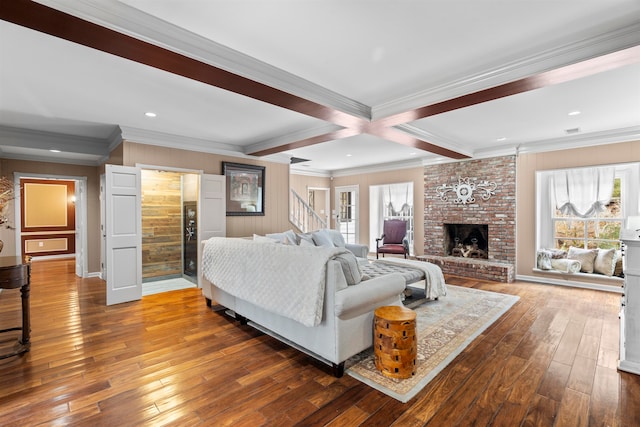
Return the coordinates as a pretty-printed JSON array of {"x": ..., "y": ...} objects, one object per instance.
[
  {"x": 582, "y": 140},
  {"x": 135, "y": 23},
  {"x": 309, "y": 172},
  {"x": 383, "y": 167},
  {"x": 161, "y": 139},
  {"x": 53, "y": 159},
  {"x": 40, "y": 140},
  {"x": 527, "y": 65}
]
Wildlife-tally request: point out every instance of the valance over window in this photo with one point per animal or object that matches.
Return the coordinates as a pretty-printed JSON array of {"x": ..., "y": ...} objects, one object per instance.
[
  {"x": 583, "y": 192},
  {"x": 399, "y": 196}
]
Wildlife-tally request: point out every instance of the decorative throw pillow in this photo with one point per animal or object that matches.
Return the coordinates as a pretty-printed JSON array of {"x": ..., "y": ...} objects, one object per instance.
[
  {"x": 605, "y": 262},
  {"x": 305, "y": 242},
  {"x": 263, "y": 239},
  {"x": 350, "y": 268},
  {"x": 322, "y": 239},
  {"x": 287, "y": 237},
  {"x": 556, "y": 253},
  {"x": 586, "y": 257},
  {"x": 544, "y": 260},
  {"x": 617, "y": 271},
  {"x": 306, "y": 237}
]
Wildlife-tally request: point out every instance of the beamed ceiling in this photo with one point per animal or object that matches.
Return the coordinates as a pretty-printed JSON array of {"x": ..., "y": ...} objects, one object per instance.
[{"x": 348, "y": 85}]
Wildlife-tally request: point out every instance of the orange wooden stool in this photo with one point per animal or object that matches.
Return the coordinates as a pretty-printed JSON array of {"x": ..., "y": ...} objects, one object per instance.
[{"x": 395, "y": 343}]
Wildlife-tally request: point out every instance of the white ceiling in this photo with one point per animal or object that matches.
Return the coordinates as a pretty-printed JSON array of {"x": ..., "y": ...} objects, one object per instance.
[{"x": 370, "y": 59}]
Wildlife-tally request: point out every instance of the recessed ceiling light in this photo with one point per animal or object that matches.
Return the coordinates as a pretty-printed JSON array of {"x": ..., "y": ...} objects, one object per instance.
[
  {"x": 348, "y": 155},
  {"x": 503, "y": 138},
  {"x": 574, "y": 113},
  {"x": 150, "y": 114},
  {"x": 413, "y": 153},
  {"x": 55, "y": 151}
]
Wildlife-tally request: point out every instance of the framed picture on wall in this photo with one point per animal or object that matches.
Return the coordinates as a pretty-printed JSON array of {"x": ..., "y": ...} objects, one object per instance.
[{"x": 245, "y": 189}]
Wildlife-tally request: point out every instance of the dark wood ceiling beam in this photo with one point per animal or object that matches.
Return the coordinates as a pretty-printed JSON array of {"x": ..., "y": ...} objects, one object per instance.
[
  {"x": 326, "y": 137},
  {"x": 564, "y": 74},
  {"x": 62, "y": 25}
]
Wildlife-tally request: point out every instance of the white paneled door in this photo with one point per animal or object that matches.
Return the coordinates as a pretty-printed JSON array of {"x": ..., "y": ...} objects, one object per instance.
[
  {"x": 123, "y": 234},
  {"x": 213, "y": 211}
]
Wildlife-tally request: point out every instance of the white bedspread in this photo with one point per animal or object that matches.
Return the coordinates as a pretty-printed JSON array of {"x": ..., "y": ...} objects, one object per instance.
[
  {"x": 283, "y": 279},
  {"x": 434, "y": 284}
]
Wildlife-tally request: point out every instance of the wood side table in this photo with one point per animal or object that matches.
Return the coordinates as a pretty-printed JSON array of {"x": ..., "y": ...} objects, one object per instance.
[
  {"x": 395, "y": 342},
  {"x": 15, "y": 273}
]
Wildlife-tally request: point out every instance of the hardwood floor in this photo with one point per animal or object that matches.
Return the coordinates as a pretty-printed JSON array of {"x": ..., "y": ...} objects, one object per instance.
[{"x": 170, "y": 360}]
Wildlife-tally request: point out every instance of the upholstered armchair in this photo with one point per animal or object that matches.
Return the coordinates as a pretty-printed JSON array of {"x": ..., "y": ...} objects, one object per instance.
[{"x": 394, "y": 238}]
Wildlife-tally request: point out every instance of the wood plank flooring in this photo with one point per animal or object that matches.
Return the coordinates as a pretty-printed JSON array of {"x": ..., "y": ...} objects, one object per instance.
[{"x": 170, "y": 360}]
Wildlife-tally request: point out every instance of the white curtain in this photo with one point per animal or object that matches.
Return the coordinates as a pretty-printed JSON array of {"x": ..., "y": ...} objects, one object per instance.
[
  {"x": 400, "y": 196},
  {"x": 583, "y": 192}
]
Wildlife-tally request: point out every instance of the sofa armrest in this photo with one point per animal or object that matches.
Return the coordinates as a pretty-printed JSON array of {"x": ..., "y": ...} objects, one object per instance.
[
  {"x": 361, "y": 251},
  {"x": 368, "y": 295}
]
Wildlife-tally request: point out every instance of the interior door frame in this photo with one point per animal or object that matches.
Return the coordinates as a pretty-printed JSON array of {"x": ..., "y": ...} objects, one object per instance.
[
  {"x": 356, "y": 203},
  {"x": 82, "y": 263}
]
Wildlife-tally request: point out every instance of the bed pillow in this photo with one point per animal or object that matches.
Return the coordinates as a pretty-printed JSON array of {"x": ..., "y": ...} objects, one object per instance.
[
  {"x": 586, "y": 257},
  {"x": 350, "y": 268},
  {"x": 605, "y": 262}
]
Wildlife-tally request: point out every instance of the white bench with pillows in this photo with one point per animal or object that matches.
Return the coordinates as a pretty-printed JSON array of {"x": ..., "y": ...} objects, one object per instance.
[{"x": 578, "y": 261}]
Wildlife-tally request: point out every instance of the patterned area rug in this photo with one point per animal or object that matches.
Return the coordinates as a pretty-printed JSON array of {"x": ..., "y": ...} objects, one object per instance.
[{"x": 445, "y": 327}]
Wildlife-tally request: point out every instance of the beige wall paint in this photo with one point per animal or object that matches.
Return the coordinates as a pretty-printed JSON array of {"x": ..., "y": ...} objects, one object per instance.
[
  {"x": 276, "y": 183},
  {"x": 364, "y": 181},
  {"x": 526, "y": 167},
  {"x": 9, "y": 167},
  {"x": 301, "y": 183}
]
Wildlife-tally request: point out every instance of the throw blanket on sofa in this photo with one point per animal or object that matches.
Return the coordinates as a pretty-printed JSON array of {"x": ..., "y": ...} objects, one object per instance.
[
  {"x": 284, "y": 279},
  {"x": 434, "y": 284}
]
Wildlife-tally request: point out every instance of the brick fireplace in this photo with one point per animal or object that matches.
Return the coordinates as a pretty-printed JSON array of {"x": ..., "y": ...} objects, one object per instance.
[{"x": 494, "y": 216}]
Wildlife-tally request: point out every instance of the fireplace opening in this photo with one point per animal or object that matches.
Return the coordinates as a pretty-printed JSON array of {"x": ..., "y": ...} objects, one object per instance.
[{"x": 466, "y": 240}]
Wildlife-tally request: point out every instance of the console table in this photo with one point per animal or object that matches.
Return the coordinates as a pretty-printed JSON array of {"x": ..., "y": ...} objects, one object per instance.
[{"x": 15, "y": 272}]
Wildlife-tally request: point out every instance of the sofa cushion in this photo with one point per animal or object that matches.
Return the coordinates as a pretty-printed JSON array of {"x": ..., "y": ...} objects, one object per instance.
[
  {"x": 605, "y": 262},
  {"x": 350, "y": 267},
  {"x": 586, "y": 257}
]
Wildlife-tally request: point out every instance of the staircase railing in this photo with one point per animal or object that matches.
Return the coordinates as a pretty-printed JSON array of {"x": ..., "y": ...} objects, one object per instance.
[{"x": 303, "y": 216}]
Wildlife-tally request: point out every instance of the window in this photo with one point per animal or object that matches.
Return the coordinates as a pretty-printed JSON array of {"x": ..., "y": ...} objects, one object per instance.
[
  {"x": 561, "y": 230},
  {"x": 600, "y": 231}
]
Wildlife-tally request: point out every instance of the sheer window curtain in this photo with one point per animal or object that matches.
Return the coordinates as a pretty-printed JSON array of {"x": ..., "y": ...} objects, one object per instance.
[{"x": 583, "y": 192}]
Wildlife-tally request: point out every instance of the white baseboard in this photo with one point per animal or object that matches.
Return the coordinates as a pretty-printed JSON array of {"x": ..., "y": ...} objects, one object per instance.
[{"x": 613, "y": 287}]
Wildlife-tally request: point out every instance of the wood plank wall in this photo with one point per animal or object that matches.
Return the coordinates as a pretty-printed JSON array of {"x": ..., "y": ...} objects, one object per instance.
[{"x": 161, "y": 223}]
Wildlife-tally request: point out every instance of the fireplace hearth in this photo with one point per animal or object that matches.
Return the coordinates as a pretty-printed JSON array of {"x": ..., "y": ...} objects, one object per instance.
[{"x": 466, "y": 240}]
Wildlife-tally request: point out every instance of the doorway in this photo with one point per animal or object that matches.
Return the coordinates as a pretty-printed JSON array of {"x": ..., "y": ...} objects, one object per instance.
[
  {"x": 60, "y": 229},
  {"x": 347, "y": 212},
  {"x": 169, "y": 230}
]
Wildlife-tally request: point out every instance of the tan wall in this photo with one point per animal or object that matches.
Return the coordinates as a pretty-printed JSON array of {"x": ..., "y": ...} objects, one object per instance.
[
  {"x": 9, "y": 167},
  {"x": 526, "y": 167},
  {"x": 276, "y": 203},
  {"x": 363, "y": 181}
]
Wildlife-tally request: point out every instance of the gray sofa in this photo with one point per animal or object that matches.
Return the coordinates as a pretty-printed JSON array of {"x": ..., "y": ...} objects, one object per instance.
[{"x": 346, "y": 321}]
